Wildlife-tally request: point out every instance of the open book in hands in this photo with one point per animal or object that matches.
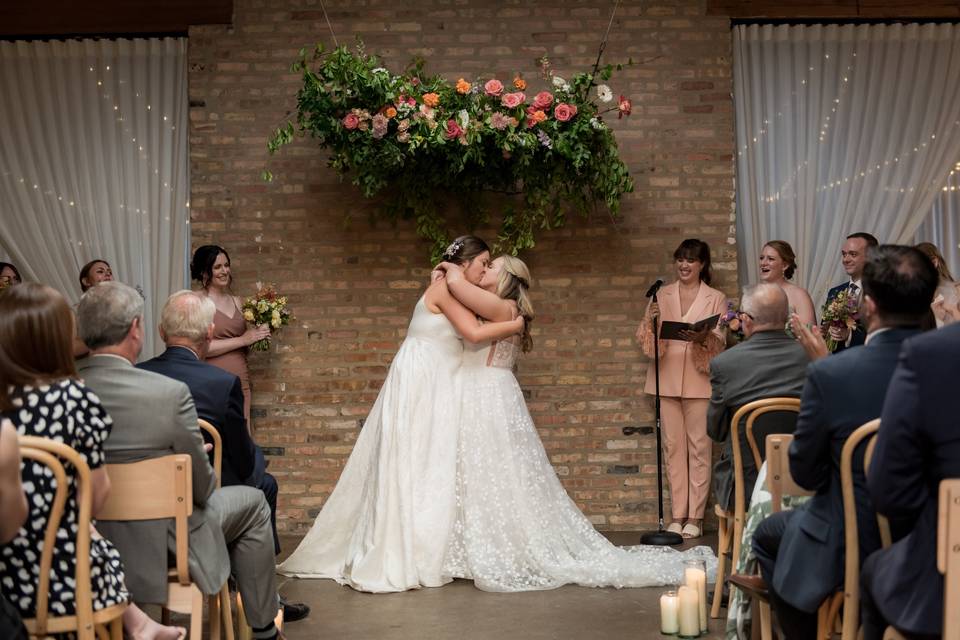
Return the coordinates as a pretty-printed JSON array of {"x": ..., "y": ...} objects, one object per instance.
[{"x": 670, "y": 330}]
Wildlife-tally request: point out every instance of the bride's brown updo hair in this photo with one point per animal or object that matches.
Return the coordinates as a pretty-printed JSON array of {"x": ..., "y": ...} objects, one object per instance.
[
  {"x": 464, "y": 249},
  {"x": 514, "y": 284}
]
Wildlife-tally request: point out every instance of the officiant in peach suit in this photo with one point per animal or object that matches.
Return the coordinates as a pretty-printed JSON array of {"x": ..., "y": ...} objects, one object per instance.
[{"x": 685, "y": 382}]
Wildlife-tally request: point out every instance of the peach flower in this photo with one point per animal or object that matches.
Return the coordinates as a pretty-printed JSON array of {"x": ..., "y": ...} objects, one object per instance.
[
  {"x": 463, "y": 86},
  {"x": 563, "y": 111},
  {"x": 512, "y": 100},
  {"x": 519, "y": 83},
  {"x": 493, "y": 88},
  {"x": 543, "y": 100},
  {"x": 431, "y": 99}
]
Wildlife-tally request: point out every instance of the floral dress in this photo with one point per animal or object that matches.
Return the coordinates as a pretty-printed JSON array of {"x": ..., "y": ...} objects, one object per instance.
[{"x": 66, "y": 412}]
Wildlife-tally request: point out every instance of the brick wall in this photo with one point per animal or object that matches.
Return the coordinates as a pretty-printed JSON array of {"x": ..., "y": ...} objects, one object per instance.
[{"x": 353, "y": 288}]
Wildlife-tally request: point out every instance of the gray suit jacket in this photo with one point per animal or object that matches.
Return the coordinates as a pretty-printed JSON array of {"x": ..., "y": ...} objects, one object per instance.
[
  {"x": 769, "y": 363},
  {"x": 154, "y": 416}
]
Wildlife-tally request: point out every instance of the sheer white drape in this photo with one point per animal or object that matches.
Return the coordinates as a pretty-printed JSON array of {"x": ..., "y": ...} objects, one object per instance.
[
  {"x": 94, "y": 163},
  {"x": 942, "y": 226},
  {"x": 841, "y": 128}
]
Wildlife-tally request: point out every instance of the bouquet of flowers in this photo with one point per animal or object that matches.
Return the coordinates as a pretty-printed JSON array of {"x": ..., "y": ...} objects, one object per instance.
[
  {"x": 267, "y": 307},
  {"x": 731, "y": 321},
  {"x": 842, "y": 311}
]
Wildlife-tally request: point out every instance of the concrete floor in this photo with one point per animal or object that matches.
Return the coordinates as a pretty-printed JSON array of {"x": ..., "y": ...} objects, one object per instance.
[{"x": 460, "y": 611}]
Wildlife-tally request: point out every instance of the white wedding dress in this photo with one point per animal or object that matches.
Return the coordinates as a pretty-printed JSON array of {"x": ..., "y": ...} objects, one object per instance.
[
  {"x": 386, "y": 524},
  {"x": 516, "y": 529}
]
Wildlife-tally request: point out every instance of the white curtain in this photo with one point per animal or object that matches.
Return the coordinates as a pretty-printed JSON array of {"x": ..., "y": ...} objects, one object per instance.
[
  {"x": 841, "y": 128},
  {"x": 94, "y": 164},
  {"x": 942, "y": 226}
]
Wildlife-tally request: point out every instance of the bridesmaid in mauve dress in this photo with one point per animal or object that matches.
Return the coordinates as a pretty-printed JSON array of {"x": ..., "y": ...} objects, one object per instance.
[{"x": 231, "y": 337}]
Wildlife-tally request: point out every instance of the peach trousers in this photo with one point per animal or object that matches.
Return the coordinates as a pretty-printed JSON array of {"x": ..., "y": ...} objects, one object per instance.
[{"x": 687, "y": 452}]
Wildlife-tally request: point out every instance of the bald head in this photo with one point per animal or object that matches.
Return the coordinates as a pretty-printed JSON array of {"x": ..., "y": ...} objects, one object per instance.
[
  {"x": 187, "y": 320},
  {"x": 768, "y": 306}
]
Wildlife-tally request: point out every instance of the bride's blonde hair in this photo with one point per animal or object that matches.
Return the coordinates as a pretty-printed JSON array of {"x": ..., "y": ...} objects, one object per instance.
[{"x": 514, "y": 284}]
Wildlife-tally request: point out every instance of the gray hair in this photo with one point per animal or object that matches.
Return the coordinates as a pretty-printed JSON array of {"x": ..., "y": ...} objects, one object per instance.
[
  {"x": 187, "y": 314},
  {"x": 106, "y": 312},
  {"x": 767, "y": 303}
]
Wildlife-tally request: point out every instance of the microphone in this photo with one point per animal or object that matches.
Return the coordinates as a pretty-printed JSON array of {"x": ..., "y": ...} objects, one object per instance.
[{"x": 652, "y": 291}]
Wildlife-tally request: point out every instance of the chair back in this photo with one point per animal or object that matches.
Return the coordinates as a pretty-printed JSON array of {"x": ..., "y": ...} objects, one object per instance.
[
  {"x": 851, "y": 572},
  {"x": 51, "y": 454},
  {"x": 779, "y": 480},
  {"x": 211, "y": 431},
  {"x": 154, "y": 489},
  {"x": 948, "y": 555}
]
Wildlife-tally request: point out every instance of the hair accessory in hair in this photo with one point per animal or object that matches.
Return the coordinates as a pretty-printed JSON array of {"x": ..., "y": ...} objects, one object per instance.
[{"x": 453, "y": 249}]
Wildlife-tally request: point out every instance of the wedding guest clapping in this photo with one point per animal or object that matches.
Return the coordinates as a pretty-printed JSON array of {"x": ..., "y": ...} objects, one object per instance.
[
  {"x": 95, "y": 272},
  {"x": 853, "y": 256},
  {"x": 9, "y": 275},
  {"x": 778, "y": 264},
  {"x": 685, "y": 382},
  {"x": 946, "y": 304}
]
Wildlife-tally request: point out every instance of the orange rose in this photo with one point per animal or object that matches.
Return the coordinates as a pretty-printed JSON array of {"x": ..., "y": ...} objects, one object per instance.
[
  {"x": 390, "y": 112},
  {"x": 519, "y": 83},
  {"x": 463, "y": 86},
  {"x": 431, "y": 99}
]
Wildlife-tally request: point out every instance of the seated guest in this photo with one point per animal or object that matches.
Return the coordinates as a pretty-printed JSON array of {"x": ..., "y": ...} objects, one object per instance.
[
  {"x": 769, "y": 363},
  {"x": 9, "y": 275},
  {"x": 40, "y": 394},
  {"x": 917, "y": 447},
  {"x": 778, "y": 264},
  {"x": 95, "y": 272},
  {"x": 154, "y": 416},
  {"x": 186, "y": 326},
  {"x": 946, "y": 306},
  {"x": 853, "y": 256},
  {"x": 800, "y": 552},
  {"x": 13, "y": 513}
]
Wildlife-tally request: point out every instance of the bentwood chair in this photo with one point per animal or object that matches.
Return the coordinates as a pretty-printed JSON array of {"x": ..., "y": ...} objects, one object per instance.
[{"x": 85, "y": 623}]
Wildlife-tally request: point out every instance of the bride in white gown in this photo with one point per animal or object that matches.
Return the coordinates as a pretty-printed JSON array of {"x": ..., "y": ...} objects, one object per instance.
[
  {"x": 516, "y": 528},
  {"x": 386, "y": 524}
]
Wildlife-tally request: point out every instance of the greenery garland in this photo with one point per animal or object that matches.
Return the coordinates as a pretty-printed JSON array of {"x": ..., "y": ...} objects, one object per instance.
[{"x": 421, "y": 140}]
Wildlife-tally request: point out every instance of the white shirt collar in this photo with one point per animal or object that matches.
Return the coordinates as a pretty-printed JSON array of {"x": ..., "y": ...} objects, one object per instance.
[{"x": 875, "y": 333}]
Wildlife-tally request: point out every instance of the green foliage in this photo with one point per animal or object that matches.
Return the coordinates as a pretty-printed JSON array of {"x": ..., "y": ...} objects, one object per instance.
[{"x": 422, "y": 141}]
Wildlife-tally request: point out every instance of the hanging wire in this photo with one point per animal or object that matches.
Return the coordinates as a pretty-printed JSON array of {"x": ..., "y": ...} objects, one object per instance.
[{"x": 327, "y": 18}]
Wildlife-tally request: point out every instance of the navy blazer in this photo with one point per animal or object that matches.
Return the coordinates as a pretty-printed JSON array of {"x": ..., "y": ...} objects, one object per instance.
[
  {"x": 219, "y": 400},
  {"x": 860, "y": 332},
  {"x": 917, "y": 447},
  {"x": 841, "y": 393}
]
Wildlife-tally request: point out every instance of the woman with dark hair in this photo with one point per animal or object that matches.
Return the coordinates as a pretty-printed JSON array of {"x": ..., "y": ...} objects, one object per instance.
[
  {"x": 231, "y": 336},
  {"x": 9, "y": 275},
  {"x": 778, "y": 264},
  {"x": 385, "y": 526},
  {"x": 95, "y": 272},
  {"x": 41, "y": 396},
  {"x": 685, "y": 382}
]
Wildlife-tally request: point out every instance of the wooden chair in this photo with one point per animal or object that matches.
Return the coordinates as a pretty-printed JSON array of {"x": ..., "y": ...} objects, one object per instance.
[
  {"x": 948, "y": 555},
  {"x": 731, "y": 523},
  {"x": 211, "y": 431},
  {"x": 162, "y": 488},
  {"x": 85, "y": 623}
]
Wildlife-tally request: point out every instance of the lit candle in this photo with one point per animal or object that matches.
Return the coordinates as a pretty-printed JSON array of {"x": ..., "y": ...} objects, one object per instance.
[
  {"x": 689, "y": 612},
  {"x": 669, "y": 621},
  {"x": 695, "y": 577}
]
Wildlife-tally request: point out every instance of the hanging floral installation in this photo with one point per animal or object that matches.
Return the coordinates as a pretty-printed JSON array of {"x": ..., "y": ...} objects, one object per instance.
[{"x": 423, "y": 142}]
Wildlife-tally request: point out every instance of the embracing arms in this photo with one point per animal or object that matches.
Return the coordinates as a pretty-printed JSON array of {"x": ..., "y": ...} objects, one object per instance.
[{"x": 465, "y": 321}]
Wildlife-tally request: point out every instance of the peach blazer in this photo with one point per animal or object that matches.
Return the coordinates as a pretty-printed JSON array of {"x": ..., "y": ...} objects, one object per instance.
[{"x": 684, "y": 366}]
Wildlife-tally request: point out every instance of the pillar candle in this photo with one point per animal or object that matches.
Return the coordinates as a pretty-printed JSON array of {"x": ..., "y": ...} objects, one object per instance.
[
  {"x": 689, "y": 612},
  {"x": 669, "y": 620},
  {"x": 696, "y": 578}
]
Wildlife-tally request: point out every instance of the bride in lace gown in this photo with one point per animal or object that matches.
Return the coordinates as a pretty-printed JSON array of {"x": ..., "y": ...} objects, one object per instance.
[
  {"x": 516, "y": 529},
  {"x": 386, "y": 524}
]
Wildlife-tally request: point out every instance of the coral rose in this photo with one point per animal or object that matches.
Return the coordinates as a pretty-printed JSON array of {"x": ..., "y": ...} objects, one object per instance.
[
  {"x": 563, "y": 111},
  {"x": 463, "y": 86},
  {"x": 390, "y": 112},
  {"x": 512, "y": 100},
  {"x": 493, "y": 88},
  {"x": 453, "y": 130},
  {"x": 431, "y": 99},
  {"x": 625, "y": 107},
  {"x": 519, "y": 83},
  {"x": 543, "y": 100},
  {"x": 351, "y": 121}
]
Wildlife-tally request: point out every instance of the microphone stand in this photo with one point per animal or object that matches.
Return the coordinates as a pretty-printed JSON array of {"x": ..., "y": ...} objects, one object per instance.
[{"x": 661, "y": 536}]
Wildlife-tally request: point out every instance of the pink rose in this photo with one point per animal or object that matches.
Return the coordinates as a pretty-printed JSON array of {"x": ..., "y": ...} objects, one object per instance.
[
  {"x": 511, "y": 100},
  {"x": 563, "y": 111},
  {"x": 543, "y": 100},
  {"x": 453, "y": 130},
  {"x": 625, "y": 106},
  {"x": 351, "y": 121},
  {"x": 493, "y": 87}
]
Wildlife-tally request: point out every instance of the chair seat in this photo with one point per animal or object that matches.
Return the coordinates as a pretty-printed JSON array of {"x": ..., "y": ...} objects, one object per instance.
[
  {"x": 63, "y": 624},
  {"x": 752, "y": 585}
]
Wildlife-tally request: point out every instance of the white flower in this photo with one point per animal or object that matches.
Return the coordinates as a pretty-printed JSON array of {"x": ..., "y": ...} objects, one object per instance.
[
  {"x": 596, "y": 123},
  {"x": 604, "y": 93},
  {"x": 559, "y": 82},
  {"x": 565, "y": 87},
  {"x": 463, "y": 119},
  {"x": 380, "y": 70}
]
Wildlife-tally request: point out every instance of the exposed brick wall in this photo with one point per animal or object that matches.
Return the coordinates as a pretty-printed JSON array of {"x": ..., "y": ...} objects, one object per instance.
[{"x": 353, "y": 288}]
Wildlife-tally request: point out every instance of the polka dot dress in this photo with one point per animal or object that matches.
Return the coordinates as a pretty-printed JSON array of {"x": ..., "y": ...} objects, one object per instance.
[{"x": 67, "y": 412}]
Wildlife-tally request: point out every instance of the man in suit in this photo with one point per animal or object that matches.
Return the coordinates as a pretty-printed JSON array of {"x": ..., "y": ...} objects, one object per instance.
[
  {"x": 800, "y": 552},
  {"x": 853, "y": 256},
  {"x": 769, "y": 363},
  {"x": 154, "y": 416},
  {"x": 917, "y": 447}
]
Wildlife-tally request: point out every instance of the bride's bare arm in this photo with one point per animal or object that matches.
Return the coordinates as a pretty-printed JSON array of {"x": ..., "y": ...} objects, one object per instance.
[
  {"x": 480, "y": 301},
  {"x": 465, "y": 321}
]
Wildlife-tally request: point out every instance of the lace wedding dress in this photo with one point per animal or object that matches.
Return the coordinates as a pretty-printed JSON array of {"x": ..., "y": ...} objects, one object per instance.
[
  {"x": 516, "y": 529},
  {"x": 385, "y": 526}
]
